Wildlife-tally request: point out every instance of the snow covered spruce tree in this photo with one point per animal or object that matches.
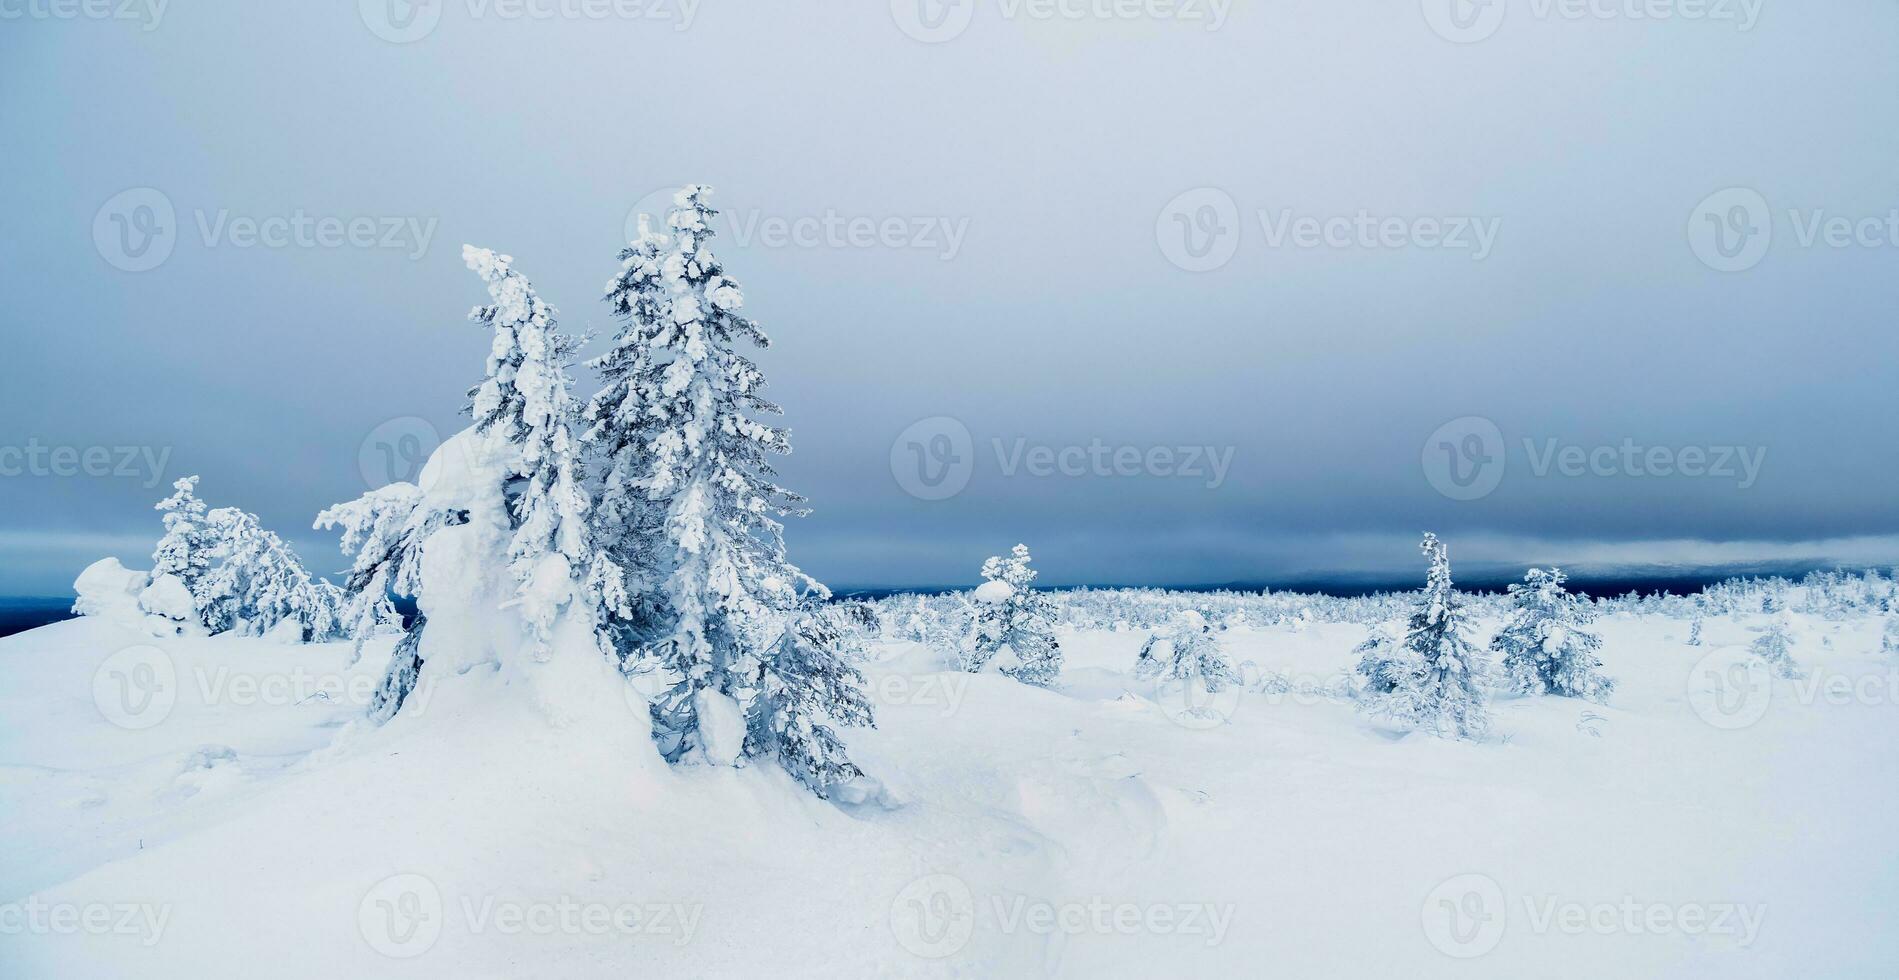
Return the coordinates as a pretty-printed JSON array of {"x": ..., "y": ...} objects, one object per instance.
[
  {"x": 1775, "y": 645},
  {"x": 1544, "y": 648},
  {"x": 1444, "y": 693},
  {"x": 1011, "y": 614},
  {"x": 259, "y": 585},
  {"x": 525, "y": 397},
  {"x": 744, "y": 662},
  {"x": 185, "y": 549},
  {"x": 1694, "y": 631},
  {"x": 1187, "y": 651}
]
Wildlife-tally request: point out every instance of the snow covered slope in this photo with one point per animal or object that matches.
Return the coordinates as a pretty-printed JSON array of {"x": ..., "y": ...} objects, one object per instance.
[{"x": 191, "y": 807}]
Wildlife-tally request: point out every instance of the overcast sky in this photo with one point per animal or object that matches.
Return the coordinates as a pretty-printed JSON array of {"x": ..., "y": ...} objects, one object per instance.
[{"x": 1175, "y": 294}]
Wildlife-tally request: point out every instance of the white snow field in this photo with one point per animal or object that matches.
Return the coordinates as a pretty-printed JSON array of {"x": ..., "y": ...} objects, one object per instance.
[{"x": 201, "y": 808}]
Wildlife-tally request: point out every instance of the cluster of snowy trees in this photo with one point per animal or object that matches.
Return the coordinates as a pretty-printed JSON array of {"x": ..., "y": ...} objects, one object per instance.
[
  {"x": 226, "y": 572},
  {"x": 645, "y": 519}
]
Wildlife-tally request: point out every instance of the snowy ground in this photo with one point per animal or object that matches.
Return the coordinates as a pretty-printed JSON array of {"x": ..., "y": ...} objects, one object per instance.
[{"x": 205, "y": 812}]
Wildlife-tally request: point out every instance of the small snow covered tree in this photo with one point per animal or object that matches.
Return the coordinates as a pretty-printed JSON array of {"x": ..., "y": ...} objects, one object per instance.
[
  {"x": 1187, "y": 651},
  {"x": 526, "y": 396},
  {"x": 1775, "y": 645},
  {"x": 1445, "y": 695},
  {"x": 1889, "y": 639},
  {"x": 688, "y": 516},
  {"x": 258, "y": 583},
  {"x": 1694, "y": 631},
  {"x": 1544, "y": 647},
  {"x": 184, "y": 551},
  {"x": 806, "y": 679},
  {"x": 1010, "y": 613},
  {"x": 384, "y": 529},
  {"x": 1384, "y": 662}
]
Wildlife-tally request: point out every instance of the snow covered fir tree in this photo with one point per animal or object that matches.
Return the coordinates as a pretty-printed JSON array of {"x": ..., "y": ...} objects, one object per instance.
[
  {"x": 730, "y": 632},
  {"x": 1437, "y": 676},
  {"x": 1544, "y": 648},
  {"x": 185, "y": 548},
  {"x": 1012, "y": 616},
  {"x": 1383, "y": 661}
]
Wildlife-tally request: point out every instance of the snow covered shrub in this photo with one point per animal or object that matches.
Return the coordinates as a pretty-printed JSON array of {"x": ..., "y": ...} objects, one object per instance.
[
  {"x": 1889, "y": 639},
  {"x": 1694, "y": 631},
  {"x": 1188, "y": 651},
  {"x": 1011, "y": 614},
  {"x": 1444, "y": 694},
  {"x": 1544, "y": 647},
  {"x": 259, "y": 584},
  {"x": 1775, "y": 645},
  {"x": 687, "y": 519},
  {"x": 1384, "y": 662}
]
